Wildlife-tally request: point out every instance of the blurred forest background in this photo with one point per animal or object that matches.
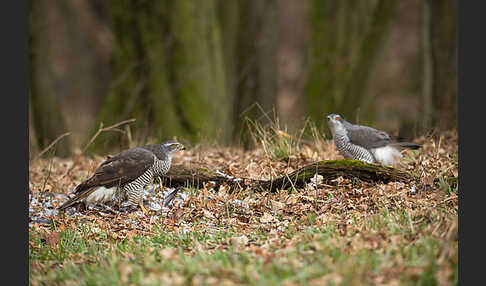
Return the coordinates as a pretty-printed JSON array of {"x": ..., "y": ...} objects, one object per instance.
[{"x": 196, "y": 70}]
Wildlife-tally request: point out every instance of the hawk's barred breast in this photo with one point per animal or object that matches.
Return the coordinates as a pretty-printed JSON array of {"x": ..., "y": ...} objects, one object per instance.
[
  {"x": 352, "y": 151},
  {"x": 135, "y": 190}
]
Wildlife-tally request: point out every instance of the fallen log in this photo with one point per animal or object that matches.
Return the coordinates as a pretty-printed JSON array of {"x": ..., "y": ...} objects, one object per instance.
[
  {"x": 332, "y": 169},
  {"x": 180, "y": 176}
]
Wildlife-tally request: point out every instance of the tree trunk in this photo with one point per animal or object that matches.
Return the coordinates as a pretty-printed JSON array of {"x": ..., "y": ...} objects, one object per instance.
[
  {"x": 168, "y": 71},
  {"x": 443, "y": 32},
  {"x": 44, "y": 101},
  {"x": 33, "y": 144},
  {"x": 293, "y": 37},
  {"x": 355, "y": 97},
  {"x": 427, "y": 81},
  {"x": 198, "y": 78},
  {"x": 229, "y": 18},
  {"x": 345, "y": 39},
  {"x": 255, "y": 65}
]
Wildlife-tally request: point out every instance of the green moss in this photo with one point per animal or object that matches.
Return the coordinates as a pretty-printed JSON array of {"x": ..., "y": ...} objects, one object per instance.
[
  {"x": 346, "y": 163},
  {"x": 349, "y": 163}
]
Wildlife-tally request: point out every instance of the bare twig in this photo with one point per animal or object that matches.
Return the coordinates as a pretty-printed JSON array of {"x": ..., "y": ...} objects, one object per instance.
[
  {"x": 52, "y": 144},
  {"x": 129, "y": 136},
  {"x": 448, "y": 199},
  {"x": 100, "y": 129},
  {"x": 48, "y": 175},
  {"x": 48, "y": 172}
]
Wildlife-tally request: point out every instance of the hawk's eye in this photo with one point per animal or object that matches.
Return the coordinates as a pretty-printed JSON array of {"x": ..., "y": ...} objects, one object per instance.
[
  {"x": 171, "y": 146},
  {"x": 337, "y": 118}
]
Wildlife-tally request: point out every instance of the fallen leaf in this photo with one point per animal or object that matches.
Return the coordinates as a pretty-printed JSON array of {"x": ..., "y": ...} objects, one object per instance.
[
  {"x": 239, "y": 241},
  {"x": 277, "y": 206},
  {"x": 266, "y": 218},
  {"x": 53, "y": 238}
]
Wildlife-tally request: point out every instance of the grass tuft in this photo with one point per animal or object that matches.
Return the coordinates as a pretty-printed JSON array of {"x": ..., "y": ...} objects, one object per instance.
[{"x": 274, "y": 140}]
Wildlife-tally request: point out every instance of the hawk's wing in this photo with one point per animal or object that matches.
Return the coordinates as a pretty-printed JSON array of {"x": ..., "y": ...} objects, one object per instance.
[
  {"x": 116, "y": 171},
  {"x": 367, "y": 137},
  {"x": 120, "y": 169}
]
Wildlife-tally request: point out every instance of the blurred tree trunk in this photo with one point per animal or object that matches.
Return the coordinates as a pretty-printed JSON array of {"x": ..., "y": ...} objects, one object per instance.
[
  {"x": 345, "y": 39},
  {"x": 427, "y": 80},
  {"x": 33, "y": 145},
  {"x": 82, "y": 46},
  {"x": 293, "y": 37},
  {"x": 356, "y": 102},
  {"x": 396, "y": 79},
  {"x": 168, "y": 70},
  {"x": 46, "y": 119},
  {"x": 256, "y": 43},
  {"x": 443, "y": 33},
  {"x": 229, "y": 17},
  {"x": 198, "y": 77}
]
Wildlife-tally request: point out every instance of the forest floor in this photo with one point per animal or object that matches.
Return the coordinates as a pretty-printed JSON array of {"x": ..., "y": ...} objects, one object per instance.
[{"x": 341, "y": 232}]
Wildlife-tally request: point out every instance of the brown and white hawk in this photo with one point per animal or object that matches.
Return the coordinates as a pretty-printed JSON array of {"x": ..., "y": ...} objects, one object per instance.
[{"x": 124, "y": 176}]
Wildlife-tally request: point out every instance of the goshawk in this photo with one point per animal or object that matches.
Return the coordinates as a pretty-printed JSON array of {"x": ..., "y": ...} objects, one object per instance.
[
  {"x": 365, "y": 143},
  {"x": 124, "y": 176}
]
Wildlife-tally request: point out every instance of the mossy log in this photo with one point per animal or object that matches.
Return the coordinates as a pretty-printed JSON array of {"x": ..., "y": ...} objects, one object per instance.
[
  {"x": 180, "y": 176},
  {"x": 331, "y": 169}
]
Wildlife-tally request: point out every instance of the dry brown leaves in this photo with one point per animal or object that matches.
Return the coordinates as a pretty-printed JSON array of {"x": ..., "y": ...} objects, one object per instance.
[{"x": 247, "y": 212}]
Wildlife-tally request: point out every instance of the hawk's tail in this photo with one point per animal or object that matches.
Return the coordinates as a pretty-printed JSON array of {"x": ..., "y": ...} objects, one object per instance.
[
  {"x": 170, "y": 197},
  {"x": 76, "y": 199},
  {"x": 407, "y": 145},
  {"x": 69, "y": 203}
]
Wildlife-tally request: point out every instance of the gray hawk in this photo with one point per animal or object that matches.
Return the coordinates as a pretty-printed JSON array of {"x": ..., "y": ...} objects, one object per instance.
[
  {"x": 124, "y": 176},
  {"x": 365, "y": 143}
]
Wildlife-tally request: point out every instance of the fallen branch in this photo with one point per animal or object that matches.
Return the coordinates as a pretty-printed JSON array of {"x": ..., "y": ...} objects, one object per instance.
[
  {"x": 331, "y": 169},
  {"x": 179, "y": 176}
]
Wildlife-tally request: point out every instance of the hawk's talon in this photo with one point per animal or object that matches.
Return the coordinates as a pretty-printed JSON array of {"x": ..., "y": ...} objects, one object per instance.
[{"x": 144, "y": 210}]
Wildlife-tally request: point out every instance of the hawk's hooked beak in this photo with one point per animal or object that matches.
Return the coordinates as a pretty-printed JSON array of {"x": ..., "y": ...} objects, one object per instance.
[{"x": 182, "y": 147}]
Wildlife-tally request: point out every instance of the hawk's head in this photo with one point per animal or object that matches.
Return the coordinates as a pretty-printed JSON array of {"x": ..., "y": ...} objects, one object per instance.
[
  {"x": 336, "y": 123},
  {"x": 170, "y": 147}
]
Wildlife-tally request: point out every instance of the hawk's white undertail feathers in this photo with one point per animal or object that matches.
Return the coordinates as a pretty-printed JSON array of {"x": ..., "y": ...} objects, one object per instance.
[
  {"x": 101, "y": 195},
  {"x": 386, "y": 155}
]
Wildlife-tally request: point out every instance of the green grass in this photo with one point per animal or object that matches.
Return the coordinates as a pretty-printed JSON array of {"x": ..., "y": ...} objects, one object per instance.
[
  {"x": 274, "y": 140},
  {"x": 449, "y": 185},
  {"x": 302, "y": 254}
]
